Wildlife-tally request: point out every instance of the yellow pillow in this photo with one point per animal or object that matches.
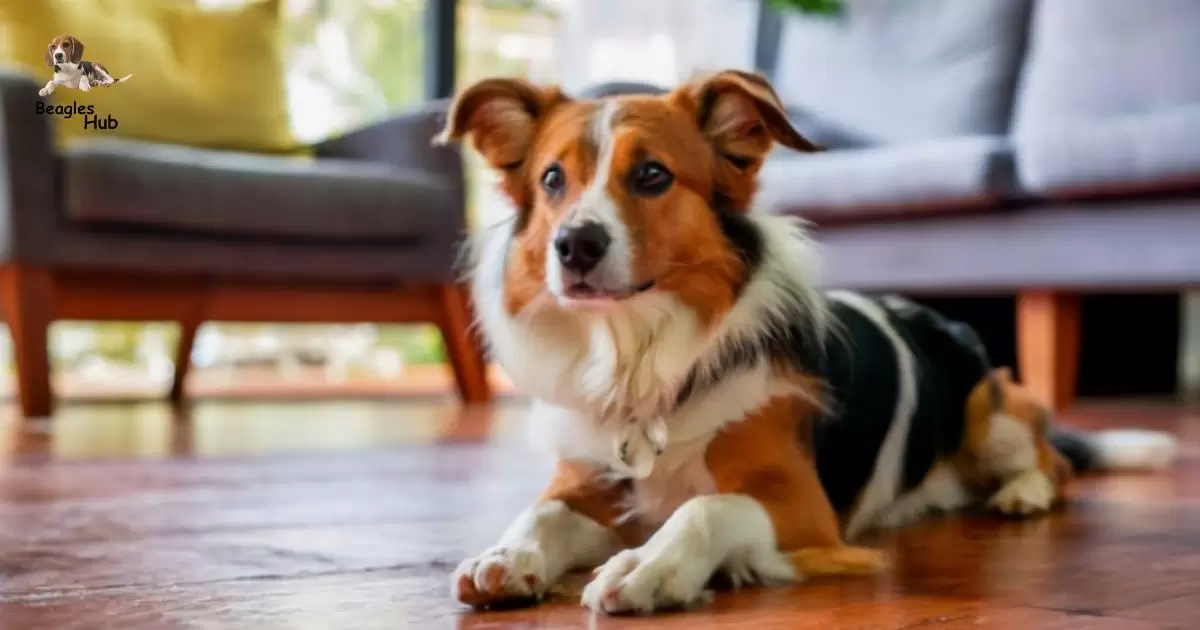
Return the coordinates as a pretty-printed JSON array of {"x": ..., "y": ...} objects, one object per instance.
[{"x": 202, "y": 77}]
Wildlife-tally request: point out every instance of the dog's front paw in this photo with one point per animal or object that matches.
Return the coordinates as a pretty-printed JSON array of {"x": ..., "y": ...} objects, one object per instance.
[
  {"x": 641, "y": 581},
  {"x": 85, "y": 86},
  {"x": 501, "y": 575},
  {"x": 45, "y": 91},
  {"x": 1027, "y": 494}
]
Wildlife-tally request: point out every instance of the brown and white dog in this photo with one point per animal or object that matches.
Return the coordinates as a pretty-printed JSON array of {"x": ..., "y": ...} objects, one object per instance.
[
  {"x": 710, "y": 409},
  {"x": 65, "y": 54}
]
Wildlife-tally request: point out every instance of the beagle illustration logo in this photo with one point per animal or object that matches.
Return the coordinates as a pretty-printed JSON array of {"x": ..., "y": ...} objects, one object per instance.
[{"x": 65, "y": 55}]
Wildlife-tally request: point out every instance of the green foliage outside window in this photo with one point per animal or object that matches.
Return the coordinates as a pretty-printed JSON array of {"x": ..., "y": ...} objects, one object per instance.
[{"x": 812, "y": 7}]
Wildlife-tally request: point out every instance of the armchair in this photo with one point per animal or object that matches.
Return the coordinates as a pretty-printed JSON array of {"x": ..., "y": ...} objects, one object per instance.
[{"x": 115, "y": 229}]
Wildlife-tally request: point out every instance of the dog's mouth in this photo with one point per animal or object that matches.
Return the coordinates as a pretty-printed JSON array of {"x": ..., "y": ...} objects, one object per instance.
[{"x": 584, "y": 291}]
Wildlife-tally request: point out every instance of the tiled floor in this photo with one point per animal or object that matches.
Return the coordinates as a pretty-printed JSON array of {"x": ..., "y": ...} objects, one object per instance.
[{"x": 350, "y": 515}]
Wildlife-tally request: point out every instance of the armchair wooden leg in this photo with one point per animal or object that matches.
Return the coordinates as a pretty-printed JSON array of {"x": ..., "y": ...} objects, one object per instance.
[
  {"x": 463, "y": 346},
  {"x": 27, "y": 295},
  {"x": 183, "y": 359},
  {"x": 1048, "y": 345}
]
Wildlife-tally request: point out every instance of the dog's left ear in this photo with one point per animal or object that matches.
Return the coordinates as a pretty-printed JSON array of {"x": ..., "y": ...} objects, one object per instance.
[
  {"x": 50, "y": 55},
  {"x": 76, "y": 50},
  {"x": 742, "y": 117}
]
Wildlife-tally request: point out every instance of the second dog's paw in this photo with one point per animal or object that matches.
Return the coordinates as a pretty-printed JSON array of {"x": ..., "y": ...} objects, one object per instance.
[
  {"x": 500, "y": 575},
  {"x": 1025, "y": 495},
  {"x": 638, "y": 581}
]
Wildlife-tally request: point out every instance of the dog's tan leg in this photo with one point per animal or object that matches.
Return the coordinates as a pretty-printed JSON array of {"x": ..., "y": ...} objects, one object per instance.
[
  {"x": 770, "y": 521},
  {"x": 1005, "y": 446},
  {"x": 762, "y": 458},
  {"x": 1037, "y": 484},
  {"x": 567, "y": 528},
  {"x": 1054, "y": 466}
]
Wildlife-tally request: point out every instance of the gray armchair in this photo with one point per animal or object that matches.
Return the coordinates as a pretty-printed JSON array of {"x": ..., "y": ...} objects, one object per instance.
[{"x": 123, "y": 230}]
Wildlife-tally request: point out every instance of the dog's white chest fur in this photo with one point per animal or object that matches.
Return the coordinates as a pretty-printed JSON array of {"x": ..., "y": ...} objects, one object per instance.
[
  {"x": 679, "y": 472},
  {"x": 599, "y": 377}
]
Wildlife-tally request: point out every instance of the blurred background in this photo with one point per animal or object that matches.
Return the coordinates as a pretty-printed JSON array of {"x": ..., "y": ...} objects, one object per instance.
[{"x": 980, "y": 152}]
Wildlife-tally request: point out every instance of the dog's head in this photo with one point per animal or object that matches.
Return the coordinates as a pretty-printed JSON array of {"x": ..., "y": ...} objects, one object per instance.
[
  {"x": 625, "y": 195},
  {"x": 64, "y": 49}
]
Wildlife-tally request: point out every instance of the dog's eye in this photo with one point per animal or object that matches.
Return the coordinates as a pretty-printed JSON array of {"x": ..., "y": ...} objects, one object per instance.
[
  {"x": 554, "y": 180},
  {"x": 66, "y": 44},
  {"x": 651, "y": 179}
]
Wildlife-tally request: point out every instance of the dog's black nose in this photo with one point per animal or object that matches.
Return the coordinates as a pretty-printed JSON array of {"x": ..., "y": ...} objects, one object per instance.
[
  {"x": 58, "y": 56},
  {"x": 580, "y": 248}
]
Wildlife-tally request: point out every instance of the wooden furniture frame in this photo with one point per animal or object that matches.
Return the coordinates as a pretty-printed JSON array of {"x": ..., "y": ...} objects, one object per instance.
[
  {"x": 1048, "y": 345},
  {"x": 32, "y": 298}
]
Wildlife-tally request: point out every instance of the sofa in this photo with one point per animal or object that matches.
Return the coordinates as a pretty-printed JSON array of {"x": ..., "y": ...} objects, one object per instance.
[
  {"x": 1037, "y": 148},
  {"x": 365, "y": 229}
]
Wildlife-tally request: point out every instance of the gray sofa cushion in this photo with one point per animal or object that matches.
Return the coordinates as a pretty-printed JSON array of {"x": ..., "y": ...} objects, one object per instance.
[
  {"x": 620, "y": 88},
  {"x": 1110, "y": 97},
  {"x": 825, "y": 134},
  {"x": 1122, "y": 155},
  {"x": 942, "y": 175},
  {"x": 179, "y": 189},
  {"x": 1091, "y": 60},
  {"x": 900, "y": 70}
]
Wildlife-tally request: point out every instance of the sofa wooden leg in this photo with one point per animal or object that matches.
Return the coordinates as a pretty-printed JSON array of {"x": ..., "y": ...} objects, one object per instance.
[
  {"x": 463, "y": 346},
  {"x": 28, "y": 295},
  {"x": 183, "y": 359},
  {"x": 1048, "y": 345}
]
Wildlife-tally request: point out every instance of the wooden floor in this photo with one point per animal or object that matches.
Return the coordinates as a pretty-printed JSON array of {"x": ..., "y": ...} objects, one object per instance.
[{"x": 351, "y": 515}]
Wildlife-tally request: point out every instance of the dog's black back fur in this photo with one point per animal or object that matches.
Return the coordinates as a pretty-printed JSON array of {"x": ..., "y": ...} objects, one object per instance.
[{"x": 864, "y": 388}]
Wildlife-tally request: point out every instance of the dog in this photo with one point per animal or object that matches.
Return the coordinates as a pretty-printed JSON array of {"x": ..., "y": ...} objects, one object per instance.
[
  {"x": 713, "y": 413},
  {"x": 65, "y": 54}
]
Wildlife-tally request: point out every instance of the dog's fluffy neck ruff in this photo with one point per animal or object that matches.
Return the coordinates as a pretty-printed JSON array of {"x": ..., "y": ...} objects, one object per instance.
[{"x": 654, "y": 358}]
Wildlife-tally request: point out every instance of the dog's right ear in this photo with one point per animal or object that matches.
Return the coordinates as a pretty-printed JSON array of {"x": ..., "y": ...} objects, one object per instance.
[
  {"x": 50, "y": 55},
  {"x": 501, "y": 116},
  {"x": 742, "y": 117}
]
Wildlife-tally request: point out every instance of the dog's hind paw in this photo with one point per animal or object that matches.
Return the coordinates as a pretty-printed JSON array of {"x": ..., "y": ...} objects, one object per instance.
[{"x": 1025, "y": 495}]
